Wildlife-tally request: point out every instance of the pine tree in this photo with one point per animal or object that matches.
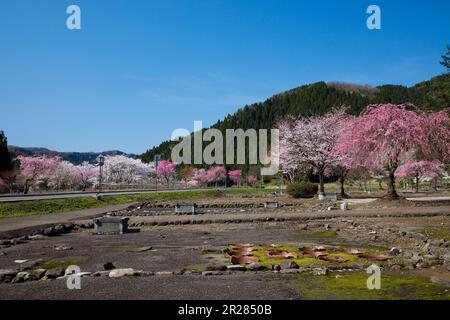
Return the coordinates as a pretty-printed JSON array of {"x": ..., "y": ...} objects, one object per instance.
[
  {"x": 446, "y": 59},
  {"x": 5, "y": 157}
]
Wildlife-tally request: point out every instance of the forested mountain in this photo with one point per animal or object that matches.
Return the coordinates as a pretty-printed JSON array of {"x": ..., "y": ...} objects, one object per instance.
[
  {"x": 319, "y": 98},
  {"x": 73, "y": 157}
]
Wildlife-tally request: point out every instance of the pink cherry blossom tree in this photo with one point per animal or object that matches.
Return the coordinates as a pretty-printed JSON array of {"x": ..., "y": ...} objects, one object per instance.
[
  {"x": 200, "y": 177},
  {"x": 251, "y": 179},
  {"x": 63, "y": 176},
  {"x": 167, "y": 170},
  {"x": 86, "y": 175},
  {"x": 235, "y": 176},
  {"x": 386, "y": 136},
  {"x": 34, "y": 168},
  {"x": 120, "y": 169},
  {"x": 309, "y": 143},
  {"x": 216, "y": 174},
  {"x": 420, "y": 170},
  {"x": 438, "y": 130}
]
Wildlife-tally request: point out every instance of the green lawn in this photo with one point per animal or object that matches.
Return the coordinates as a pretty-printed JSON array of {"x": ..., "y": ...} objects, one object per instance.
[{"x": 37, "y": 207}]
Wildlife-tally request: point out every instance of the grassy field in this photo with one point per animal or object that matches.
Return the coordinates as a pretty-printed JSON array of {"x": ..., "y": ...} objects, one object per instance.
[{"x": 37, "y": 207}]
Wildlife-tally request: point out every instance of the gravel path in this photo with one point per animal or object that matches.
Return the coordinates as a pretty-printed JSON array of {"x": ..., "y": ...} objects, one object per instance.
[{"x": 274, "y": 215}]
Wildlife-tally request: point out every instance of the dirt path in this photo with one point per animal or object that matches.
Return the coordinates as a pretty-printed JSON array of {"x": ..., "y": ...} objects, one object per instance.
[{"x": 9, "y": 226}]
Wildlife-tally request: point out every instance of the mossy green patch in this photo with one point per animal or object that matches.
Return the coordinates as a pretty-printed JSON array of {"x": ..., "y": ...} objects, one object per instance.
[
  {"x": 195, "y": 267},
  {"x": 353, "y": 286},
  {"x": 58, "y": 264},
  {"x": 327, "y": 234},
  {"x": 437, "y": 232}
]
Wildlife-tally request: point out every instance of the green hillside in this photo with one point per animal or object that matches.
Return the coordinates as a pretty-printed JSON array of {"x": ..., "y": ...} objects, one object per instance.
[{"x": 320, "y": 97}]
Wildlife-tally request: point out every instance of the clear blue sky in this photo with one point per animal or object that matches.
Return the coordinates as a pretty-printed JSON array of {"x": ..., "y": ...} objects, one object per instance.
[{"x": 137, "y": 70}]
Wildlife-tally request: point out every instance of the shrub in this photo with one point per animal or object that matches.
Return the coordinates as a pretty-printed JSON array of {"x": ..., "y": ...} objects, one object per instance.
[{"x": 302, "y": 190}]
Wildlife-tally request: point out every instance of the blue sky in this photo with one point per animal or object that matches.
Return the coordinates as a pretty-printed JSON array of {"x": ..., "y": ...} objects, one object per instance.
[{"x": 139, "y": 69}]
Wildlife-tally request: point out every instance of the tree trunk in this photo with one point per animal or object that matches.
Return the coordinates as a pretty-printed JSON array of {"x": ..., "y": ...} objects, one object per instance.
[
  {"x": 341, "y": 187},
  {"x": 321, "y": 182},
  {"x": 417, "y": 183},
  {"x": 392, "y": 193},
  {"x": 26, "y": 187}
]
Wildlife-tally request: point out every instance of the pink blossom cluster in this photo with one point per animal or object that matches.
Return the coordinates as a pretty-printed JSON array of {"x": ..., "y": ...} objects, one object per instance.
[
  {"x": 420, "y": 170},
  {"x": 45, "y": 172},
  {"x": 383, "y": 137},
  {"x": 251, "y": 180},
  {"x": 235, "y": 176},
  {"x": 310, "y": 143}
]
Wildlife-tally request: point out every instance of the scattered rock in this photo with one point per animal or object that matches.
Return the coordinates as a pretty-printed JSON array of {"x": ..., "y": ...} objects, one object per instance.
[
  {"x": 214, "y": 267},
  {"x": 7, "y": 275},
  {"x": 49, "y": 231},
  {"x": 292, "y": 270},
  {"x": 395, "y": 267},
  {"x": 289, "y": 265},
  {"x": 236, "y": 267},
  {"x": 119, "y": 273},
  {"x": 339, "y": 276},
  {"x": 255, "y": 266},
  {"x": 164, "y": 273},
  {"x": 20, "y": 277},
  {"x": 395, "y": 251},
  {"x": 141, "y": 249},
  {"x": 100, "y": 274},
  {"x": 439, "y": 280},
  {"x": 108, "y": 266},
  {"x": 430, "y": 257},
  {"x": 37, "y": 237},
  {"x": 2, "y": 253},
  {"x": 62, "y": 248},
  {"x": 303, "y": 226},
  {"x": 419, "y": 237},
  {"x": 78, "y": 274},
  {"x": 417, "y": 258},
  {"x": 274, "y": 267},
  {"x": 18, "y": 241},
  {"x": 446, "y": 256},
  {"x": 20, "y": 261},
  {"x": 38, "y": 273},
  {"x": 54, "y": 273},
  {"x": 211, "y": 273},
  {"x": 320, "y": 271},
  {"x": 31, "y": 264},
  {"x": 437, "y": 243}
]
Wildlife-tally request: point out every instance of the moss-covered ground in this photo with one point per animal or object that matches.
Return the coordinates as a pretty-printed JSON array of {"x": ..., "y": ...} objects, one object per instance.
[{"x": 353, "y": 286}]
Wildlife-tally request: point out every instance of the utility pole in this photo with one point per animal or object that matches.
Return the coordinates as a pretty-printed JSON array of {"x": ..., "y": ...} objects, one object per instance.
[
  {"x": 101, "y": 162},
  {"x": 157, "y": 159}
]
